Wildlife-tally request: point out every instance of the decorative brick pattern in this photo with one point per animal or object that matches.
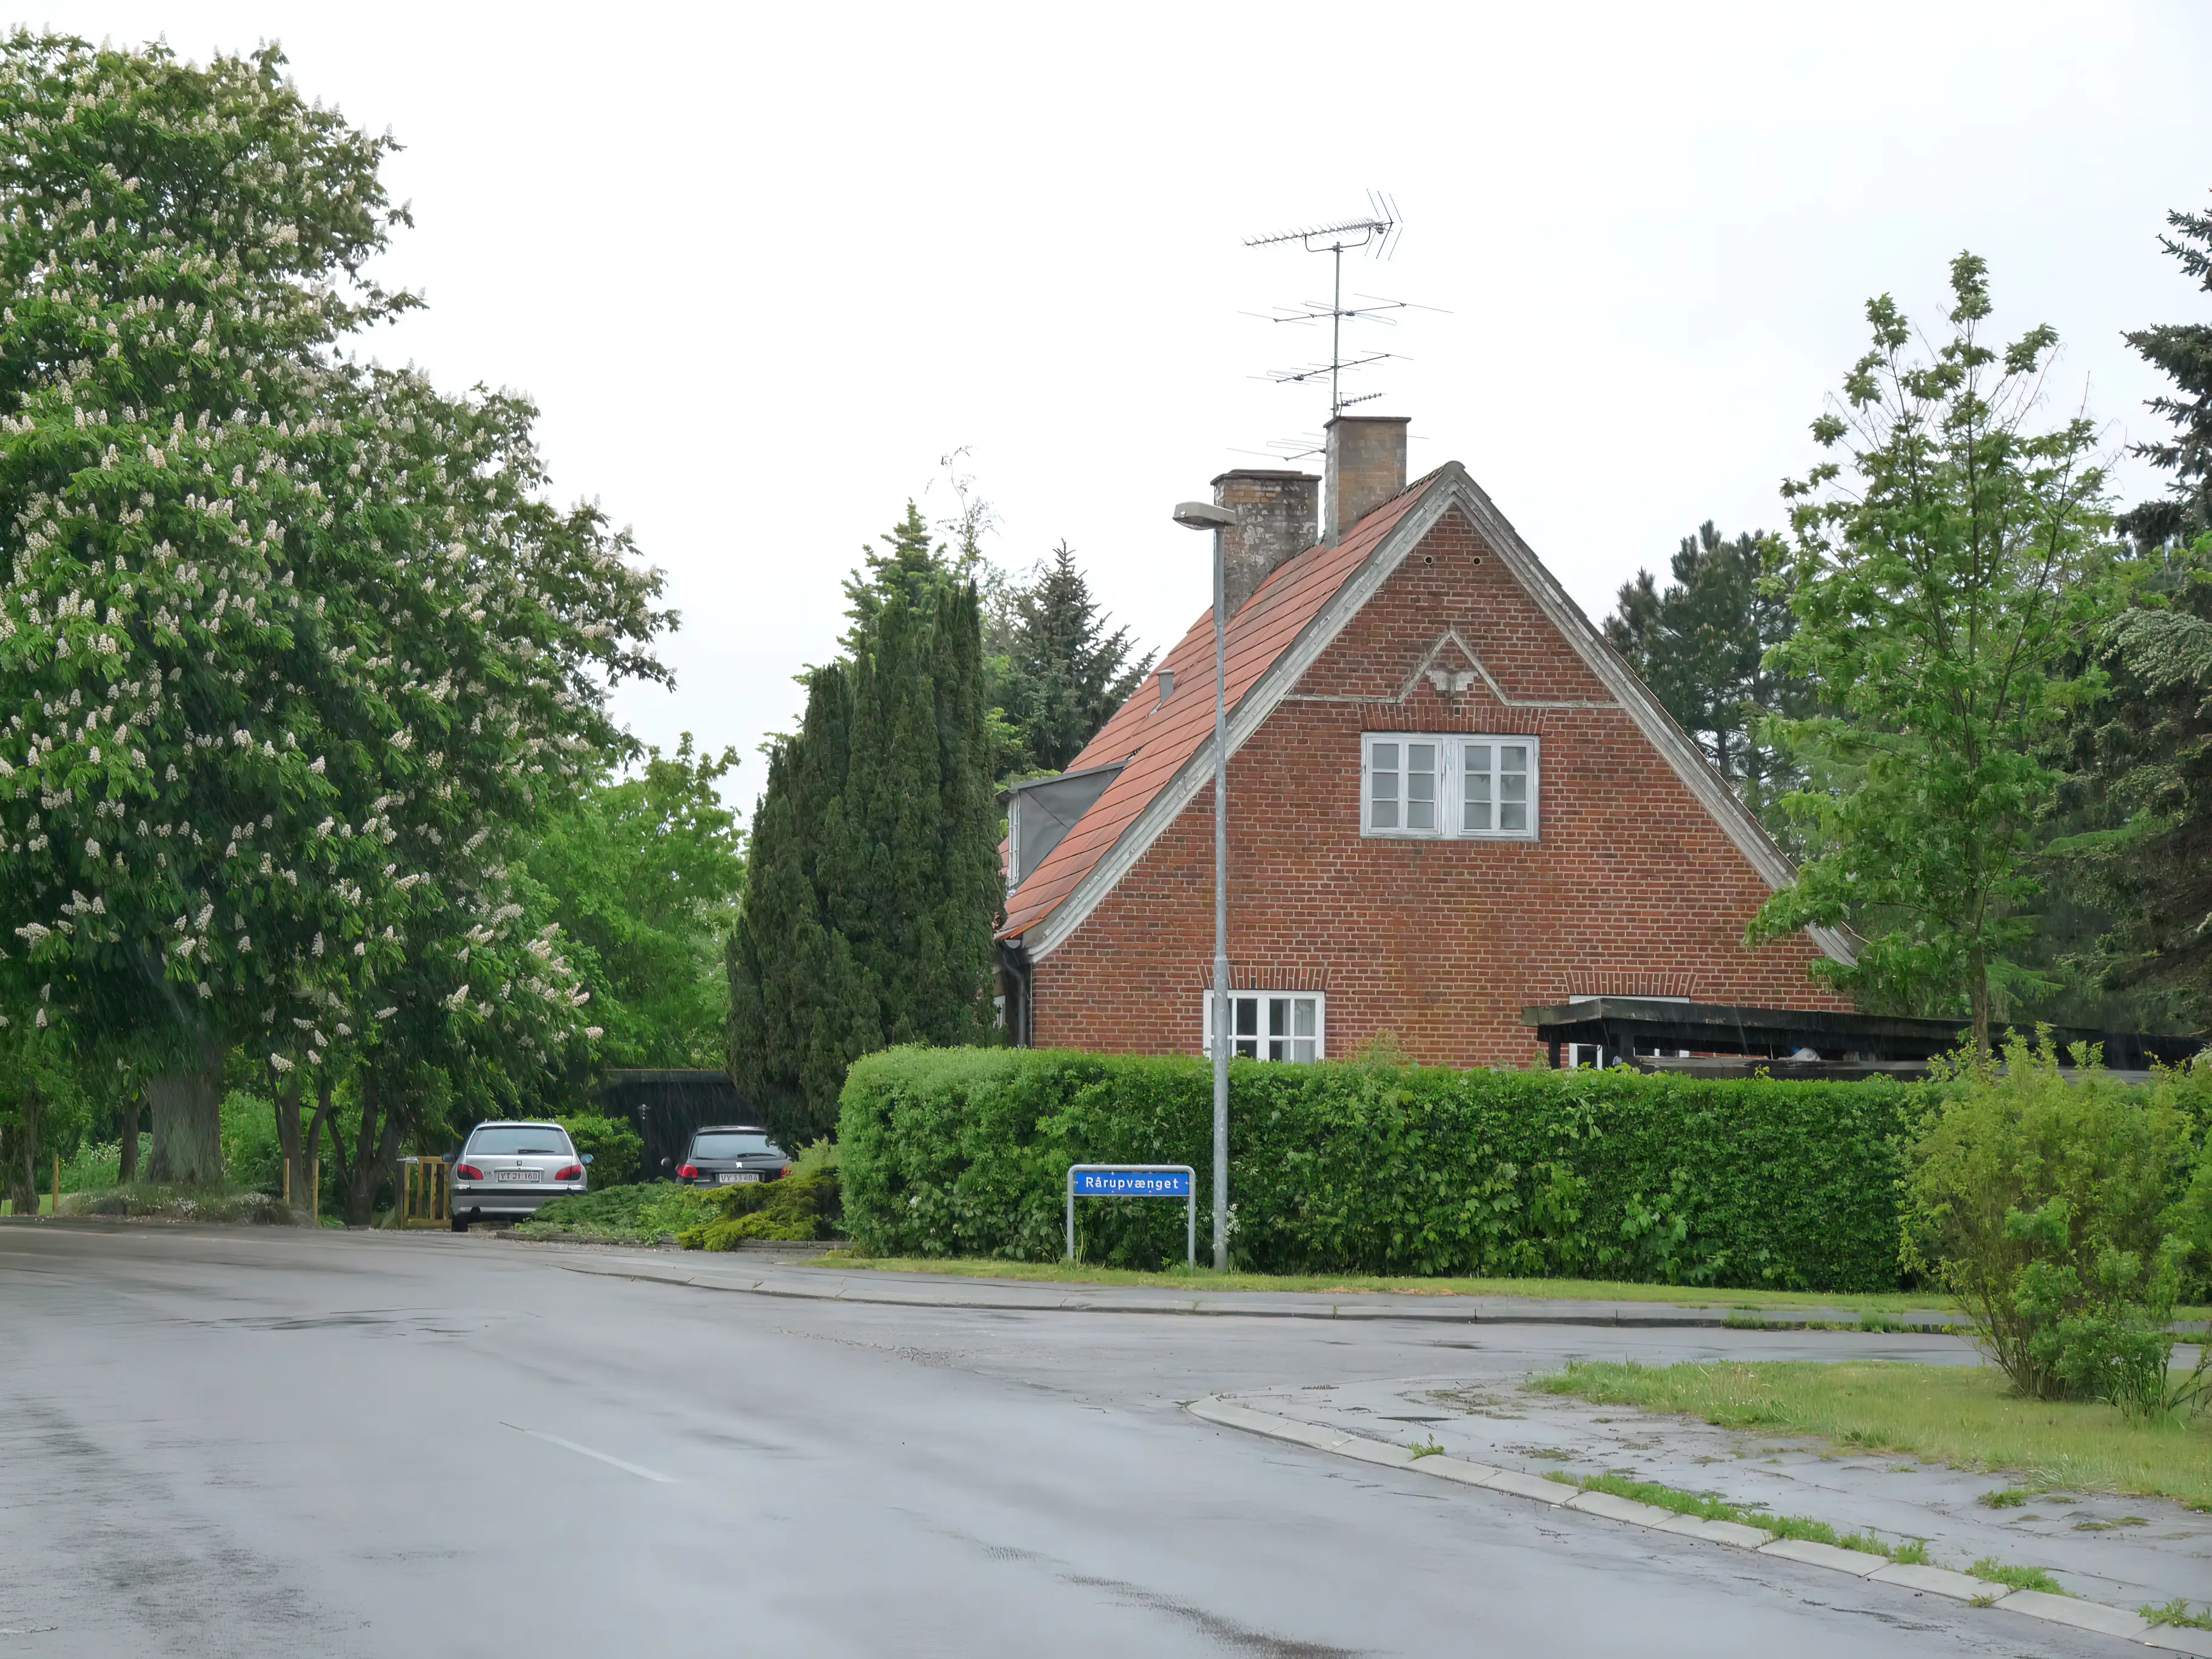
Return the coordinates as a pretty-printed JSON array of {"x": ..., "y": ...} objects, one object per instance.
[{"x": 1632, "y": 889}]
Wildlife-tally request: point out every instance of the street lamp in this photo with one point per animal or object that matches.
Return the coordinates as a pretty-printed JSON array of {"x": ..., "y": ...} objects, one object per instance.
[{"x": 1203, "y": 515}]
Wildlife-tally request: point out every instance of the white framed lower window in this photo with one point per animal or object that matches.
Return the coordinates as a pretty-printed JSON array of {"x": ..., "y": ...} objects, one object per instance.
[
  {"x": 1285, "y": 1025},
  {"x": 1438, "y": 784}
]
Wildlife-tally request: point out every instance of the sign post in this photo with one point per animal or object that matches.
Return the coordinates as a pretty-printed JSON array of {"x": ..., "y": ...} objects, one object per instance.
[{"x": 1137, "y": 1181}]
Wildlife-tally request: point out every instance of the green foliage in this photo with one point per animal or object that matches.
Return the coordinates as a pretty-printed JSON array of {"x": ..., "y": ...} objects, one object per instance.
[
  {"x": 642, "y": 872},
  {"x": 615, "y": 1148},
  {"x": 2142, "y": 760},
  {"x": 2049, "y": 1207},
  {"x": 294, "y": 645},
  {"x": 796, "y": 1208},
  {"x": 1701, "y": 646},
  {"x": 644, "y": 1213},
  {"x": 2183, "y": 352},
  {"x": 1708, "y": 1508},
  {"x": 1946, "y": 575},
  {"x": 1064, "y": 674},
  {"x": 1992, "y": 1570},
  {"x": 1373, "y": 1169},
  {"x": 872, "y": 877}
]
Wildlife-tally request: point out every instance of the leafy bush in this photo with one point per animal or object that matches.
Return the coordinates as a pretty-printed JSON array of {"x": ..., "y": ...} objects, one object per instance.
[
  {"x": 615, "y": 1147},
  {"x": 2060, "y": 1214},
  {"x": 1377, "y": 1167},
  {"x": 643, "y": 1212},
  {"x": 797, "y": 1207}
]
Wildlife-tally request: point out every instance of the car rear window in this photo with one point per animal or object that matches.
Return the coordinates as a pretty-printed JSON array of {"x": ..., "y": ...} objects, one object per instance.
[
  {"x": 735, "y": 1142},
  {"x": 508, "y": 1141}
]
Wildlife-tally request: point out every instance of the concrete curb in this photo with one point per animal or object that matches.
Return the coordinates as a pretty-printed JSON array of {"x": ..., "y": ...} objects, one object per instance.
[
  {"x": 2033, "y": 1604},
  {"x": 834, "y": 1286}
]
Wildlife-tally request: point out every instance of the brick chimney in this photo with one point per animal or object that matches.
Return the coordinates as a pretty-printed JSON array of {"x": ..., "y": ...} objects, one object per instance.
[
  {"x": 1274, "y": 523},
  {"x": 1366, "y": 467}
]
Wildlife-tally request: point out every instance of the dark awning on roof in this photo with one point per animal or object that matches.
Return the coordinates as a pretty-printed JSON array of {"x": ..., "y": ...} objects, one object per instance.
[{"x": 1626, "y": 1026}]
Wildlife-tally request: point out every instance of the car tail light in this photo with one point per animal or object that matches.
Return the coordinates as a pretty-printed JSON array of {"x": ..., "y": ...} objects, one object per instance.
[
  {"x": 574, "y": 1172},
  {"x": 467, "y": 1172},
  {"x": 688, "y": 1172}
]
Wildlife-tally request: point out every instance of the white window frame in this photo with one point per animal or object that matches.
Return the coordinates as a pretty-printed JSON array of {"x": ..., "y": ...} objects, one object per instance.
[
  {"x": 1451, "y": 789},
  {"x": 1264, "y": 1041}
]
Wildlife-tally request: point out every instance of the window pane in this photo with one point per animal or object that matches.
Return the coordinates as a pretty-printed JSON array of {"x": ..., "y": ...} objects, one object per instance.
[
  {"x": 1513, "y": 757},
  {"x": 1304, "y": 1009},
  {"x": 1302, "y": 1050},
  {"x": 1420, "y": 785},
  {"x": 1246, "y": 1048},
  {"x": 1382, "y": 786},
  {"x": 1478, "y": 758},
  {"x": 1279, "y": 1016},
  {"x": 1247, "y": 1023}
]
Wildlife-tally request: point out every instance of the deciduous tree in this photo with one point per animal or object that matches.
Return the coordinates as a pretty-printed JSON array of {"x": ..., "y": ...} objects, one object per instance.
[{"x": 1948, "y": 569}]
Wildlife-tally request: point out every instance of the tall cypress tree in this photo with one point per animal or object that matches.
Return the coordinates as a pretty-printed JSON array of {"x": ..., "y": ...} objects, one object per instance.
[{"x": 872, "y": 882}]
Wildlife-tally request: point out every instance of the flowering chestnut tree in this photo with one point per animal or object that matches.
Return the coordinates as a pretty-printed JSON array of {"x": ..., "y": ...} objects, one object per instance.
[{"x": 291, "y": 648}]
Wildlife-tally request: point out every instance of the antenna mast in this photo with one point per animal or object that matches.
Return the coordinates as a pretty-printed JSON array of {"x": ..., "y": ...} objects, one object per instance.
[{"x": 1378, "y": 231}]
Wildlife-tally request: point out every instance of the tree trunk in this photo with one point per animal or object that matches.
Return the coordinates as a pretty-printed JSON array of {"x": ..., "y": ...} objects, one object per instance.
[
  {"x": 373, "y": 1156},
  {"x": 291, "y": 1147},
  {"x": 188, "y": 1126},
  {"x": 1977, "y": 990},
  {"x": 127, "y": 1171},
  {"x": 20, "y": 1172}
]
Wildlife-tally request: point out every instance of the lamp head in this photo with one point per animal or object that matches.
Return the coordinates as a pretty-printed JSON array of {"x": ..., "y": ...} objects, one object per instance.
[{"x": 1203, "y": 515}]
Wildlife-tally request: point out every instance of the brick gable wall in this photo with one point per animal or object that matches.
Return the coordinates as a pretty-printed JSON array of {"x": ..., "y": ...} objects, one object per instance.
[{"x": 1631, "y": 888}]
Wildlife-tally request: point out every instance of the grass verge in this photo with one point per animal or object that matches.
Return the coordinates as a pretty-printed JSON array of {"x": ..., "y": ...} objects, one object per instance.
[
  {"x": 1913, "y": 1551},
  {"x": 1962, "y": 1415},
  {"x": 2177, "y": 1612},
  {"x": 1577, "y": 1290}
]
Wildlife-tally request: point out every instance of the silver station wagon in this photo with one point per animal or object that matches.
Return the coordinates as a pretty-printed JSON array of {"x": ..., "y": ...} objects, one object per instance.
[{"x": 508, "y": 1170}]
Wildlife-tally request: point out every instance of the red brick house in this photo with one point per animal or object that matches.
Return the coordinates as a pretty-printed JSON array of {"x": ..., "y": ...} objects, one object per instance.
[{"x": 1449, "y": 799}]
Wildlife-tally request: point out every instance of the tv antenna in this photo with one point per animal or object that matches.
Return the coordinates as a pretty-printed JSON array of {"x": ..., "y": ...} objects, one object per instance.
[{"x": 1378, "y": 233}]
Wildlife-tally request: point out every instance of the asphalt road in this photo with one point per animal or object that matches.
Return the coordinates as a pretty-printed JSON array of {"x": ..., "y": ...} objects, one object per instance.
[{"x": 237, "y": 1442}]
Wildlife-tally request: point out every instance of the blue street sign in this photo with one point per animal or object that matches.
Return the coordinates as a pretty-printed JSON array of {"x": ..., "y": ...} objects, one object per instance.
[
  {"x": 1131, "y": 1183},
  {"x": 1137, "y": 1181}
]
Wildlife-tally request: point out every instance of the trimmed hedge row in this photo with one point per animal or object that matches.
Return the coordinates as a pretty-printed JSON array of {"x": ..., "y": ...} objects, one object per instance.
[{"x": 1356, "y": 1168}]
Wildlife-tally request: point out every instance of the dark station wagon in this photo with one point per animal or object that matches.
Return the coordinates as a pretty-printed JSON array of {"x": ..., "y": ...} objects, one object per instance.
[{"x": 727, "y": 1155}]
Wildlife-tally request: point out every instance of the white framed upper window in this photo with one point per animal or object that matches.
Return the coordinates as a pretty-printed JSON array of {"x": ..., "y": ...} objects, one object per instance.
[
  {"x": 1285, "y": 1026},
  {"x": 1448, "y": 785}
]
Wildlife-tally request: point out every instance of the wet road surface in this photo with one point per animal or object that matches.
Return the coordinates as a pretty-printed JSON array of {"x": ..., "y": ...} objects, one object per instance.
[{"x": 249, "y": 1442}]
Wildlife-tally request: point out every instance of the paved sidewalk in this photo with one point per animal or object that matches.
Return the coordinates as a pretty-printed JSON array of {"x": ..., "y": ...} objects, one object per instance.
[{"x": 734, "y": 1272}]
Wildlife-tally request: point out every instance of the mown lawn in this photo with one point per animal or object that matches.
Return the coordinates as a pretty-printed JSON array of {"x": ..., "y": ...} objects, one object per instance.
[
  {"x": 1588, "y": 1290},
  {"x": 1962, "y": 1415}
]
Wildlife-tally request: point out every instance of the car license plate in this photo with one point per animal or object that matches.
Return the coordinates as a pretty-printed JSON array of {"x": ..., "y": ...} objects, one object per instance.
[
  {"x": 515, "y": 1175},
  {"x": 742, "y": 1175}
]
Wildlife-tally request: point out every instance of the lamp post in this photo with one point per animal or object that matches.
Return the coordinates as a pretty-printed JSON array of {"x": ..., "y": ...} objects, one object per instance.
[{"x": 1203, "y": 515}]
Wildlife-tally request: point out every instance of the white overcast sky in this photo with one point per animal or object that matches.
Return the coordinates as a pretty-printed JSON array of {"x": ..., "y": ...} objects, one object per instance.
[{"x": 763, "y": 265}]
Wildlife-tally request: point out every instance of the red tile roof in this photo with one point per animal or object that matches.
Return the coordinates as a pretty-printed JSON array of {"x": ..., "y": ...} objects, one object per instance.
[{"x": 1157, "y": 742}]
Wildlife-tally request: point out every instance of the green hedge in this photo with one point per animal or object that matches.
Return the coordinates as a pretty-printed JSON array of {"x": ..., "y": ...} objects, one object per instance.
[{"x": 1355, "y": 1168}]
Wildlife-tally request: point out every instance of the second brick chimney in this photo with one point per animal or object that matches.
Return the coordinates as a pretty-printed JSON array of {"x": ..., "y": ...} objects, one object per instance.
[
  {"x": 1275, "y": 524},
  {"x": 1366, "y": 467}
]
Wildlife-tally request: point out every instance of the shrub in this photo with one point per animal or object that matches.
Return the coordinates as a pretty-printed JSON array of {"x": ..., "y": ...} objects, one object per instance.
[
  {"x": 2057, "y": 1213},
  {"x": 1380, "y": 1168},
  {"x": 797, "y": 1207},
  {"x": 645, "y": 1211},
  {"x": 615, "y": 1147}
]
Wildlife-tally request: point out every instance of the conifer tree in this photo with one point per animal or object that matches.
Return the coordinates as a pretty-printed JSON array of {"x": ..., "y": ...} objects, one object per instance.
[
  {"x": 872, "y": 884},
  {"x": 1068, "y": 674},
  {"x": 2183, "y": 351}
]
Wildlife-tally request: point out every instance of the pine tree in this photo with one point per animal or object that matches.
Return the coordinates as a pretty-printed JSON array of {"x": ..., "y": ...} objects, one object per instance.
[
  {"x": 1068, "y": 674},
  {"x": 2183, "y": 351},
  {"x": 1701, "y": 644}
]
